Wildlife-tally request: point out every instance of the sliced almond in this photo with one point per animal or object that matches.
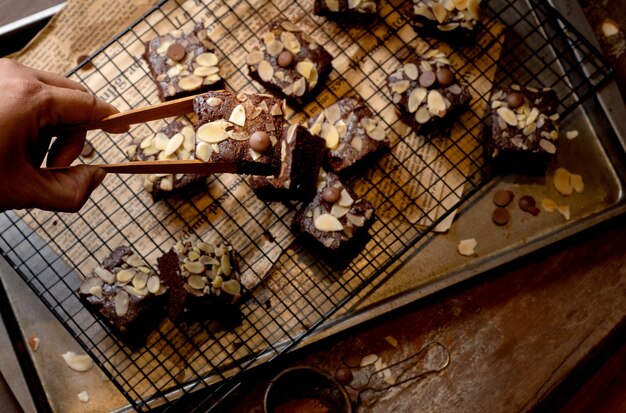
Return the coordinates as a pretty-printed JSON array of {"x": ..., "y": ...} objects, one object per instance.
[
  {"x": 153, "y": 284},
  {"x": 345, "y": 200},
  {"x": 369, "y": 359},
  {"x": 196, "y": 282},
  {"x": 124, "y": 276},
  {"x": 213, "y": 132},
  {"x": 254, "y": 58},
  {"x": 274, "y": 48},
  {"x": 357, "y": 143},
  {"x": 83, "y": 396},
  {"x": 562, "y": 181},
  {"x": 122, "y": 300},
  {"x": 422, "y": 115},
  {"x": 507, "y": 115},
  {"x": 77, "y": 362},
  {"x": 416, "y": 98},
  {"x": 291, "y": 42},
  {"x": 577, "y": 183},
  {"x": 571, "y": 134},
  {"x": 330, "y": 134},
  {"x": 565, "y": 211},
  {"x": 173, "y": 144},
  {"x": 204, "y": 151},
  {"x": 231, "y": 287},
  {"x": 191, "y": 82},
  {"x": 194, "y": 267},
  {"x": 238, "y": 115},
  {"x": 266, "y": 71},
  {"x": 547, "y": 146},
  {"x": 207, "y": 59},
  {"x": 548, "y": 205},
  {"x": 328, "y": 223},
  {"x": 436, "y": 103},
  {"x": 339, "y": 211},
  {"x": 140, "y": 280},
  {"x": 466, "y": 247},
  {"x": 106, "y": 275},
  {"x": 411, "y": 71}
]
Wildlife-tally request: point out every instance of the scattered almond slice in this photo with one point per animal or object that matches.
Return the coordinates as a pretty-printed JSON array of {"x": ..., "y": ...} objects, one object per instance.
[
  {"x": 369, "y": 359},
  {"x": 392, "y": 341},
  {"x": 610, "y": 27},
  {"x": 78, "y": 362},
  {"x": 33, "y": 342},
  {"x": 565, "y": 211},
  {"x": 548, "y": 205},
  {"x": 571, "y": 134},
  {"x": 467, "y": 247},
  {"x": 83, "y": 396},
  {"x": 577, "y": 183},
  {"x": 566, "y": 182}
]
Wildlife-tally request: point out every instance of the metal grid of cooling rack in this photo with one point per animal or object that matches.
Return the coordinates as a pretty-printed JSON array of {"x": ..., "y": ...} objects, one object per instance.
[{"x": 52, "y": 252}]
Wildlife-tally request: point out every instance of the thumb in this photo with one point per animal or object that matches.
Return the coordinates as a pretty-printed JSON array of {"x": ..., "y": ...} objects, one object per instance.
[{"x": 66, "y": 190}]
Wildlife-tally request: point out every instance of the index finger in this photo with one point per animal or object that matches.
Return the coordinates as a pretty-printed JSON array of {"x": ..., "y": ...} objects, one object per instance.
[{"x": 67, "y": 107}]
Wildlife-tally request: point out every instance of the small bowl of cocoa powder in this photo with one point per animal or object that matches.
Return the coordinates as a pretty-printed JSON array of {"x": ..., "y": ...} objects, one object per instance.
[{"x": 305, "y": 389}]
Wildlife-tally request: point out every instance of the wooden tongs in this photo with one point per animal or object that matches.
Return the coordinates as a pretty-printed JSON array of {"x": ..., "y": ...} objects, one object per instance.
[{"x": 177, "y": 107}]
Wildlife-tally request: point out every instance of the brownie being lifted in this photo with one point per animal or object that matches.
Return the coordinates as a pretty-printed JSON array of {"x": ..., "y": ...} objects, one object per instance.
[
  {"x": 203, "y": 280},
  {"x": 125, "y": 292},
  {"x": 302, "y": 155},
  {"x": 183, "y": 64},
  {"x": 352, "y": 133},
  {"x": 453, "y": 20},
  {"x": 347, "y": 10},
  {"x": 288, "y": 62},
  {"x": 335, "y": 221},
  {"x": 427, "y": 91},
  {"x": 175, "y": 141},
  {"x": 245, "y": 128},
  {"x": 525, "y": 128}
]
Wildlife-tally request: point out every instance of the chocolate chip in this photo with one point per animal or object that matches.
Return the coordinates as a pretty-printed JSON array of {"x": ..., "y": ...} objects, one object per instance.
[
  {"x": 428, "y": 78},
  {"x": 285, "y": 58},
  {"x": 352, "y": 359},
  {"x": 260, "y": 141},
  {"x": 176, "y": 52},
  {"x": 80, "y": 59},
  {"x": 445, "y": 77},
  {"x": 343, "y": 375},
  {"x": 331, "y": 195},
  {"x": 500, "y": 216},
  {"x": 534, "y": 211},
  {"x": 87, "y": 150},
  {"x": 526, "y": 203},
  {"x": 503, "y": 197},
  {"x": 515, "y": 100}
]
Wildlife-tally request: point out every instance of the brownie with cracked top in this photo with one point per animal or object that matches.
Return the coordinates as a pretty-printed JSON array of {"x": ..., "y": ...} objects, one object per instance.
[
  {"x": 302, "y": 155},
  {"x": 524, "y": 128},
  {"x": 352, "y": 134},
  {"x": 347, "y": 10},
  {"x": 452, "y": 20},
  {"x": 125, "y": 293},
  {"x": 336, "y": 221},
  {"x": 175, "y": 141},
  {"x": 203, "y": 280},
  {"x": 183, "y": 63},
  {"x": 427, "y": 91},
  {"x": 288, "y": 62},
  {"x": 245, "y": 128}
]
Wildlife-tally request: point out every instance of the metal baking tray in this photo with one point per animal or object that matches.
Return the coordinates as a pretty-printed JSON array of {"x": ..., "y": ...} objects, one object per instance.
[{"x": 396, "y": 282}]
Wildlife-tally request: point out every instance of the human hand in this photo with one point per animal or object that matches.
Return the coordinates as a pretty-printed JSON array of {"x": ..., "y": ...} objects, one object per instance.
[{"x": 33, "y": 105}]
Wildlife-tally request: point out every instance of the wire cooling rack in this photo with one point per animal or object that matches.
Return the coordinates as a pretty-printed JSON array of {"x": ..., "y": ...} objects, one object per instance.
[{"x": 291, "y": 291}]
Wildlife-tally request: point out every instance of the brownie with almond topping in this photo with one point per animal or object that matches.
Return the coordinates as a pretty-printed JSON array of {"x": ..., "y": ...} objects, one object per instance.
[
  {"x": 245, "y": 128},
  {"x": 288, "y": 62},
  {"x": 524, "y": 128},
  {"x": 183, "y": 63},
  {"x": 302, "y": 155},
  {"x": 428, "y": 92},
  {"x": 451, "y": 20},
  {"x": 359, "y": 11}
]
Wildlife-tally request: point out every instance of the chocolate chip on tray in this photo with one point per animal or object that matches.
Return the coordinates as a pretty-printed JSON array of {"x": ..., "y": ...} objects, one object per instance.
[
  {"x": 500, "y": 216},
  {"x": 528, "y": 204},
  {"x": 503, "y": 197},
  {"x": 343, "y": 375},
  {"x": 352, "y": 359}
]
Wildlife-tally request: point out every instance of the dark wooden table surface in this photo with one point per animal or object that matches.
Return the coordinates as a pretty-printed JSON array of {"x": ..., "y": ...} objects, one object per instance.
[{"x": 545, "y": 332}]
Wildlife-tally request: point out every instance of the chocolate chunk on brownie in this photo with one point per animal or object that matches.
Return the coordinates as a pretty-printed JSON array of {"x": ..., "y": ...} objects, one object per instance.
[
  {"x": 427, "y": 91},
  {"x": 352, "y": 133},
  {"x": 174, "y": 141},
  {"x": 288, "y": 62},
  {"x": 183, "y": 64},
  {"x": 125, "y": 293},
  {"x": 452, "y": 20},
  {"x": 203, "y": 280},
  {"x": 244, "y": 128},
  {"x": 335, "y": 222},
  {"x": 524, "y": 128},
  {"x": 347, "y": 10},
  {"x": 302, "y": 156}
]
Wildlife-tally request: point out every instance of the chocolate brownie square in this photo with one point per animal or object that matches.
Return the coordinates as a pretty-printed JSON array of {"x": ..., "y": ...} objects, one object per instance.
[
  {"x": 125, "y": 293},
  {"x": 203, "y": 280},
  {"x": 244, "y": 128},
  {"x": 352, "y": 133},
  {"x": 524, "y": 128},
  {"x": 347, "y": 10},
  {"x": 452, "y": 20},
  {"x": 288, "y": 62},
  {"x": 427, "y": 91},
  {"x": 183, "y": 64},
  {"x": 302, "y": 156},
  {"x": 174, "y": 141},
  {"x": 335, "y": 222}
]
